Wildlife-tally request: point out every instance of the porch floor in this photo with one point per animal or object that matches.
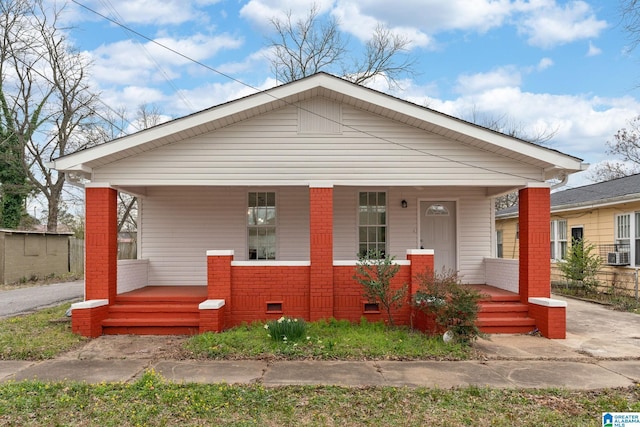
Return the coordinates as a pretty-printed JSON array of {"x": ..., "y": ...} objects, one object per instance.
[
  {"x": 495, "y": 294},
  {"x": 166, "y": 293}
]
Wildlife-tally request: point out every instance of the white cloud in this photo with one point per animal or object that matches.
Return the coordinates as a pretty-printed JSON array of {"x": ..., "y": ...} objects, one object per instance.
[
  {"x": 260, "y": 12},
  {"x": 581, "y": 124},
  {"x": 547, "y": 24},
  {"x": 212, "y": 94},
  {"x": 593, "y": 50},
  {"x": 166, "y": 12},
  {"x": 469, "y": 84},
  {"x": 544, "y": 64},
  {"x": 137, "y": 63}
]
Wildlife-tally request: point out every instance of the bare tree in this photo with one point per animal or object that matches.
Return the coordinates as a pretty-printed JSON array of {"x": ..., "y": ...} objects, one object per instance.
[
  {"x": 626, "y": 146},
  {"x": 630, "y": 11},
  {"x": 306, "y": 46},
  {"x": 47, "y": 96},
  {"x": 508, "y": 126}
]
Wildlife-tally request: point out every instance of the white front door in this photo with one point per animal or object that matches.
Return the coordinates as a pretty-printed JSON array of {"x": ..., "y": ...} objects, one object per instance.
[{"x": 438, "y": 232}]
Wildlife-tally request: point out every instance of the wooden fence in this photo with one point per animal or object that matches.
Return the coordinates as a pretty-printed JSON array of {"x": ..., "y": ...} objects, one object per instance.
[{"x": 76, "y": 255}]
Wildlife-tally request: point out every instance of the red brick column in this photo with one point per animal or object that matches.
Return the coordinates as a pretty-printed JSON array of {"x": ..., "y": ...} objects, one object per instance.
[
  {"x": 101, "y": 237},
  {"x": 421, "y": 262},
  {"x": 535, "y": 250},
  {"x": 219, "y": 279},
  {"x": 321, "y": 240}
]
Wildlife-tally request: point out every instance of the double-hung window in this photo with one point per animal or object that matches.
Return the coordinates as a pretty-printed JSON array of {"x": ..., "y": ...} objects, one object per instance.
[
  {"x": 558, "y": 239},
  {"x": 637, "y": 240},
  {"x": 261, "y": 225},
  {"x": 499, "y": 244},
  {"x": 372, "y": 223},
  {"x": 623, "y": 232}
]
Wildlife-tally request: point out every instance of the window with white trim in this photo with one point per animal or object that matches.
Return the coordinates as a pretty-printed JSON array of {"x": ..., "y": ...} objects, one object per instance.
[
  {"x": 558, "y": 239},
  {"x": 261, "y": 225},
  {"x": 499, "y": 247},
  {"x": 637, "y": 239},
  {"x": 623, "y": 230},
  {"x": 372, "y": 222}
]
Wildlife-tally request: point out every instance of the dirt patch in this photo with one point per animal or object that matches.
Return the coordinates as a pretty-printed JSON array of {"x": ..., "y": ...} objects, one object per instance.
[{"x": 151, "y": 347}]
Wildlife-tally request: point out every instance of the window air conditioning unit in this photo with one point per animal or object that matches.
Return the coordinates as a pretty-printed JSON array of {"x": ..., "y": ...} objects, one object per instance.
[{"x": 618, "y": 258}]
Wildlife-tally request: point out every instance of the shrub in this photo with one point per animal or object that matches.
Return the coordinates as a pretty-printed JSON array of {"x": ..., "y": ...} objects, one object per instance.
[
  {"x": 580, "y": 266},
  {"x": 286, "y": 329},
  {"x": 374, "y": 272},
  {"x": 454, "y": 305}
]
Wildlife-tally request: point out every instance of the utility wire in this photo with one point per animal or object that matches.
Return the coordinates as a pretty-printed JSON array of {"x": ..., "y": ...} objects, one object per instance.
[{"x": 229, "y": 77}]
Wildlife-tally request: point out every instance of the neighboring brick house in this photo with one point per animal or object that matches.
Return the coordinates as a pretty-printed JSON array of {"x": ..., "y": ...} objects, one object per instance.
[
  {"x": 605, "y": 214},
  {"x": 259, "y": 207}
]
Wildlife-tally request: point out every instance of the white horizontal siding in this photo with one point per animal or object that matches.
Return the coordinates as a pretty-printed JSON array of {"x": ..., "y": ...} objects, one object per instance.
[
  {"x": 178, "y": 225},
  {"x": 473, "y": 226},
  {"x": 269, "y": 150}
]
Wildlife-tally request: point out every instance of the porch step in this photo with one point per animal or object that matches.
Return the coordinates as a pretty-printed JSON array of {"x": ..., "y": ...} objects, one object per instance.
[
  {"x": 502, "y": 309},
  {"x": 152, "y": 318},
  {"x": 506, "y": 325},
  {"x": 504, "y": 314}
]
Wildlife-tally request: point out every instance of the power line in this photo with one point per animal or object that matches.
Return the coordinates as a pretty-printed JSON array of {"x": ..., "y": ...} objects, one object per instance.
[{"x": 229, "y": 77}]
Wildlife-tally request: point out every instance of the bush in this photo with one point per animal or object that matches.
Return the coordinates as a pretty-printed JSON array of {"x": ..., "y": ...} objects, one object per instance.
[
  {"x": 286, "y": 329},
  {"x": 375, "y": 272},
  {"x": 454, "y": 305},
  {"x": 580, "y": 266}
]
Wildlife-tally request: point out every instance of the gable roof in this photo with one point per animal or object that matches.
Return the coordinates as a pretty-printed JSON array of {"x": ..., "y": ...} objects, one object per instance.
[
  {"x": 604, "y": 193},
  {"x": 552, "y": 162}
]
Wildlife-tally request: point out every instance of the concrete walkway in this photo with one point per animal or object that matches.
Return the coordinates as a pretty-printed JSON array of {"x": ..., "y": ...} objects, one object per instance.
[{"x": 602, "y": 350}]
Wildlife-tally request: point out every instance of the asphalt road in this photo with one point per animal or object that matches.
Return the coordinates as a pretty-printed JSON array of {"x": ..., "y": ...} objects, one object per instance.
[{"x": 25, "y": 300}]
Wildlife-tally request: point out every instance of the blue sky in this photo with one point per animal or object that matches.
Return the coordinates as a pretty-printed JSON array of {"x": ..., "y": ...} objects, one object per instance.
[{"x": 543, "y": 65}]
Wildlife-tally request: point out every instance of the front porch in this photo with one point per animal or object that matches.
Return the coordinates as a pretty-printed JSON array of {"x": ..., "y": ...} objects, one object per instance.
[{"x": 245, "y": 290}]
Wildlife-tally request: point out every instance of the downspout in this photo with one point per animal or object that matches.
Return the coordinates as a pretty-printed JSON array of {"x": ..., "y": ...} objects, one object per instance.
[{"x": 563, "y": 181}]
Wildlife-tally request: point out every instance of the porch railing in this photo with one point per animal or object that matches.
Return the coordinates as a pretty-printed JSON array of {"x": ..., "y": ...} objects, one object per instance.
[{"x": 502, "y": 273}]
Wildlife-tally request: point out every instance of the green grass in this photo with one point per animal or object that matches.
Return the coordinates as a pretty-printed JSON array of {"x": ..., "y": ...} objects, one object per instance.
[
  {"x": 151, "y": 401},
  {"x": 331, "y": 339},
  {"x": 37, "y": 336}
]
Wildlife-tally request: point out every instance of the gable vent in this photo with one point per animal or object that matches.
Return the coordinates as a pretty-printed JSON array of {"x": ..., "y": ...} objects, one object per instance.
[{"x": 319, "y": 116}]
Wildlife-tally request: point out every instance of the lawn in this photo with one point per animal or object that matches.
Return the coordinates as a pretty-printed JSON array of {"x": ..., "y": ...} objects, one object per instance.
[
  {"x": 150, "y": 401},
  {"x": 37, "y": 336},
  {"x": 333, "y": 339}
]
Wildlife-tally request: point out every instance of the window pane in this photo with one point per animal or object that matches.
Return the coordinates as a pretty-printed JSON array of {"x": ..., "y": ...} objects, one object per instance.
[
  {"x": 372, "y": 222},
  {"x": 261, "y": 221}
]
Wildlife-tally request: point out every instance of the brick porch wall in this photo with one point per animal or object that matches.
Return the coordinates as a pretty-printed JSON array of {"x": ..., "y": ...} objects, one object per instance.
[{"x": 250, "y": 288}]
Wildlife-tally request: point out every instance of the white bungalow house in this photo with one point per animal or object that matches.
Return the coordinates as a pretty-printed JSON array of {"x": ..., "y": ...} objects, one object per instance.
[{"x": 259, "y": 207}]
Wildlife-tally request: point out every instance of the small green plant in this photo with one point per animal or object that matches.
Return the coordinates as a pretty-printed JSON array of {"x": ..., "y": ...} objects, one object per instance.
[
  {"x": 580, "y": 266},
  {"x": 286, "y": 329},
  {"x": 454, "y": 305},
  {"x": 375, "y": 272}
]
